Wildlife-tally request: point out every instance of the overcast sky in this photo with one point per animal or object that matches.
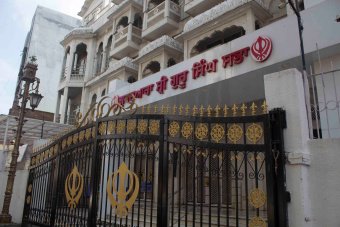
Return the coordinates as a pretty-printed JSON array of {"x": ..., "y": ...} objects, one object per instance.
[{"x": 15, "y": 21}]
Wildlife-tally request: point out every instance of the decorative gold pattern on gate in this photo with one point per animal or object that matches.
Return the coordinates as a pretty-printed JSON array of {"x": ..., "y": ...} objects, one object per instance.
[
  {"x": 257, "y": 198},
  {"x": 131, "y": 126},
  {"x": 102, "y": 128},
  {"x": 88, "y": 134},
  {"x": 74, "y": 185},
  {"x": 69, "y": 140},
  {"x": 111, "y": 127},
  {"x": 201, "y": 131},
  {"x": 254, "y": 133},
  {"x": 63, "y": 144},
  {"x": 29, "y": 188},
  {"x": 173, "y": 128},
  {"x": 28, "y": 199},
  {"x": 187, "y": 130},
  {"x": 154, "y": 127},
  {"x": 75, "y": 138},
  {"x": 257, "y": 222},
  {"x": 120, "y": 126},
  {"x": 81, "y": 136},
  {"x": 235, "y": 133},
  {"x": 119, "y": 198},
  {"x": 217, "y": 133},
  {"x": 142, "y": 126}
]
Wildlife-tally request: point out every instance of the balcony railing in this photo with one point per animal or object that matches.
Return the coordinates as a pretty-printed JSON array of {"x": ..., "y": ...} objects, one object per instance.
[
  {"x": 195, "y": 7},
  {"x": 80, "y": 71},
  {"x": 161, "y": 19},
  {"x": 127, "y": 41}
]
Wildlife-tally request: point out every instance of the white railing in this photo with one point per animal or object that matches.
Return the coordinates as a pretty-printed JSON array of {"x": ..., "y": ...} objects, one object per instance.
[{"x": 325, "y": 104}]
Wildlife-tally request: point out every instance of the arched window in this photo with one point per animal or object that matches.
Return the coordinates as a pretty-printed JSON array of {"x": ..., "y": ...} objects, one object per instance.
[
  {"x": 151, "y": 68},
  {"x": 103, "y": 92},
  {"x": 131, "y": 79},
  {"x": 122, "y": 23},
  {"x": 138, "y": 21},
  {"x": 79, "y": 59},
  {"x": 217, "y": 38},
  {"x": 107, "y": 52},
  {"x": 94, "y": 99},
  {"x": 99, "y": 58},
  {"x": 171, "y": 62}
]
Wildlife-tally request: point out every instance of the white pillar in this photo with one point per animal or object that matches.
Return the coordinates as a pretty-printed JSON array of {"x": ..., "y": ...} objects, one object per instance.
[
  {"x": 90, "y": 48},
  {"x": 285, "y": 90},
  {"x": 57, "y": 108},
  {"x": 64, "y": 106},
  {"x": 69, "y": 62}
]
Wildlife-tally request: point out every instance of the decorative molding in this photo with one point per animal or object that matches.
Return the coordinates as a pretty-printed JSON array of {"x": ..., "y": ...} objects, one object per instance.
[
  {"x": 299, "y": 159},
  {"x": 164, "y": 40},
  {"x": 126, "y": 62},
  {"x": 118, "y": 7},
  {"x": 216, "y": 12},
  {"x": 79, "y": 31}
]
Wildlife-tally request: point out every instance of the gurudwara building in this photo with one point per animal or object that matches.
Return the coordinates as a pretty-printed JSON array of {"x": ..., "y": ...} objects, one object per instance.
[{"x": 201, "y": 148}]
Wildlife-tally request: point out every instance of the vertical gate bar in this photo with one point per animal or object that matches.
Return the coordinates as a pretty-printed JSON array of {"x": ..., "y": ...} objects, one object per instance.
[
  {"x": 55, "y": 187},
  {"x": 154, "y": 152},
  {"x": 180, "y": 184},
  {"x": 118, "y": 164},
  {"x": 129, "y": 166},
  {"x": 186, "y": 185},
  {"x": 210, "y": 166},
  {"x": 108, "y": 175},
  {"x": 162, "y": 197},
  {"x": 194, "y": 184},
  {"x": 25, "y": 216},
  {"x": 146, "y": 179},
  {"x": 270, "y": 173},
  {"x": 245, "y": 156},
  {"x": 95, "y": 166},
  {"x": 134, "y": 169},
  {"x": 172, "y": 183},
  {"x": 140, "y": 146},
  {"x": 278, "y": 123},
  {"x": 218, "y": 189},
  {"x": 236, "y": 188}
]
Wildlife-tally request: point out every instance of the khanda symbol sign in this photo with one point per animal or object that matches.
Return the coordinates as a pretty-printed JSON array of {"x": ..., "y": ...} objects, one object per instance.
[
  {"x": 128, "y": 188},
  {"x": 74, "y": 187},
  {"x": 261, "y": 49}
]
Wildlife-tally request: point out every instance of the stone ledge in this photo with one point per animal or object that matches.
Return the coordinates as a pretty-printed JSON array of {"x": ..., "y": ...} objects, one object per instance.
[{"x": 299, "y": 159}]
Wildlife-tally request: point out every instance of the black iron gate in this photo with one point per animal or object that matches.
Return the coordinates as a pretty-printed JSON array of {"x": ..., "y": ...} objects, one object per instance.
[{"x": 157, "y": 170}]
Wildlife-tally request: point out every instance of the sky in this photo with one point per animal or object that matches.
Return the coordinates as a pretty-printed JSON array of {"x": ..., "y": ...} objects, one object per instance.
[{"x": 15, "y": 22}]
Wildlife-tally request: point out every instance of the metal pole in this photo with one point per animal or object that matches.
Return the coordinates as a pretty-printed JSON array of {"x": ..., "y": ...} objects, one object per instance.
[
  {"x": 5, "y": 217},
  {"x": 304, "y": 69}
]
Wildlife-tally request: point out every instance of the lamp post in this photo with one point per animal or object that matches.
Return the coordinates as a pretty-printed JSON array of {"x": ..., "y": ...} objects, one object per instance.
[
  {"x": 34, "y": 97},
  {"x": 303, "y": 59}
]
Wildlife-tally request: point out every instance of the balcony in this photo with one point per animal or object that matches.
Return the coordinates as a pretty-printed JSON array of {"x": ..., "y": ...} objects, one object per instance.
[
  {"x": 195, "y": 7},
  {"x": 126, "y": 42},
  {"x": 162, "y": 19}
]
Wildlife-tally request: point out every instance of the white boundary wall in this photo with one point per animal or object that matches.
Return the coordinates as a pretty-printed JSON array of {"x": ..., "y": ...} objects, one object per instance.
[{"x": 312, "y": 169}]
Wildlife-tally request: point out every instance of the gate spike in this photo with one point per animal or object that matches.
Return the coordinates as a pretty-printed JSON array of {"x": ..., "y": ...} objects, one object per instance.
[
  {"x": 180, "y": 109},
  {"x": 264, "y": 107},
  {"x": 174, "y": 109},
  {"x": 148, "y": 109},
  {"x": 217, "y": 110},
  {"x": 194, "y": 110},
  {"x": 253, "y": 108},
  {"x": 209, "y": 109},
  {"x": 243, "y": 108},
  {"x": 201, "y": 111},
  {"x": 167, "y": 109},
  {"x": 225, "y": 110},
  {"x": 143, "y": 109},
  {"x": 155, "y": 109},
  {"x": 187, "y": 107},
  {"x": 235, "y": 108},
  {"x": 162, "y": 109}
]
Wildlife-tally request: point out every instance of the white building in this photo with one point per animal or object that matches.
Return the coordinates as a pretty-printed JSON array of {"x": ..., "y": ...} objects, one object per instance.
[
  {"x": 43, "y": 41},
  {"x": 141, "y": 47}
]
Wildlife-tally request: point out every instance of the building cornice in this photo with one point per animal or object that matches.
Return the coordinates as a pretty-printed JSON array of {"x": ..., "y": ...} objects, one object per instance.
[
  {"x": 118, "y": 8},
  {"x": 85, "y": 7},
  {"x": 82, "y": 32},
  {"x": 216, "y": 12}
]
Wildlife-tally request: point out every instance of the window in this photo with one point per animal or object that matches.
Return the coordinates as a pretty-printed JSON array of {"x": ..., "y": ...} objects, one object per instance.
[
  {"x": 79, "y": 59},
  {"x": 171, "y": 62},
  {"x": 151, "y": 68},
  {"x": 122, "y": 23},
  {"x": 94, "y": 99},
  {"x": 138, "y": 21},
  {"x": 103, "y": 92},
  {"x": 107, "y": 52},
  {"x": 99, "y": 58},
  {"x": 131, "y": 79}
]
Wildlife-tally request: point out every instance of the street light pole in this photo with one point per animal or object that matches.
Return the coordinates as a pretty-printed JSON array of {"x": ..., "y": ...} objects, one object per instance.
[
  {"x": 29, "y": 77},
  {"x": 304, "y": 68}
]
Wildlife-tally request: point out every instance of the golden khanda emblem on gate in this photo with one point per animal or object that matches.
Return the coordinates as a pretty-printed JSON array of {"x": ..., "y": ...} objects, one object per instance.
[
  {"x": 128, "y": 188},
  {"x": 74, "y": 185}
]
